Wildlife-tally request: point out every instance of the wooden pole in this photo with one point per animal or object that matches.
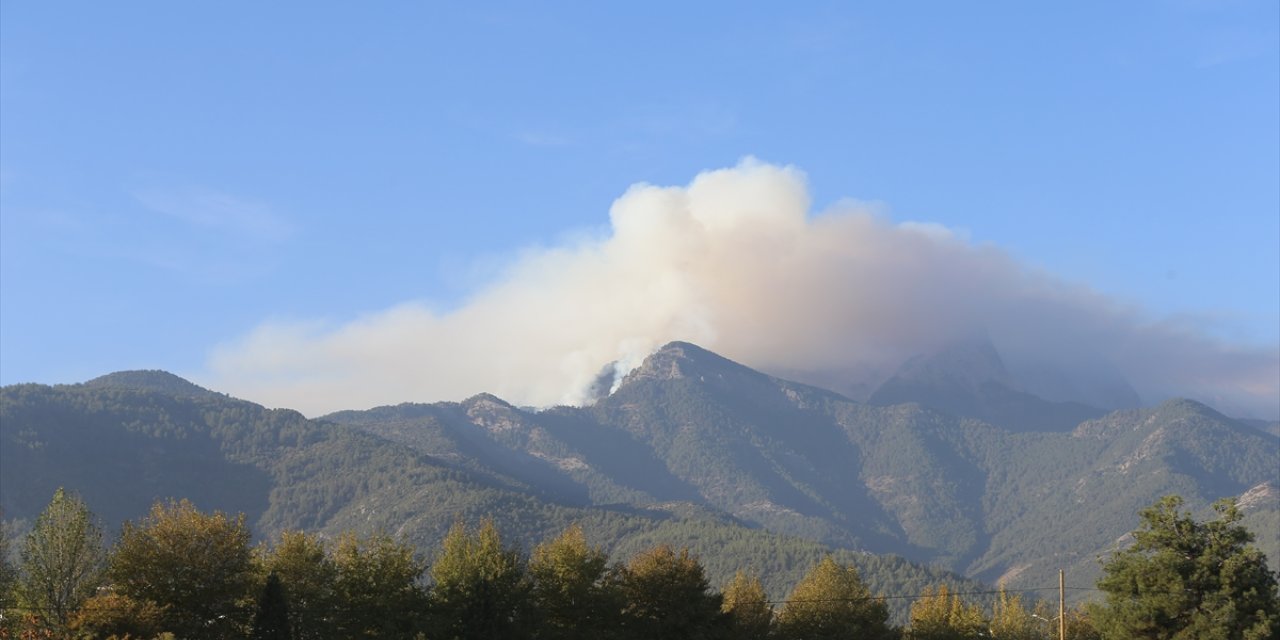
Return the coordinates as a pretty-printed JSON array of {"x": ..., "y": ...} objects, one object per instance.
[{"x": 1062, "y": 605}]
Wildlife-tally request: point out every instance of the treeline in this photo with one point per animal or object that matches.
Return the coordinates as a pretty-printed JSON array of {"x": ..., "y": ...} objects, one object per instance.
[{"x": 179, "y": 573}]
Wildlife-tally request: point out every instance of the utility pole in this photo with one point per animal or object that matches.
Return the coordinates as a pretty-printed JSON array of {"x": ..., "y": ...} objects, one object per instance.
[{"x": 1062, "y": 605}]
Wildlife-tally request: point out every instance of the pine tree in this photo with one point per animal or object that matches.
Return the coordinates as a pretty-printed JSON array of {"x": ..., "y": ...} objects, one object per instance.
[
  {"x": 271, "y": 622},
  {"x": 750, "y": 616},
  {"x": 1184, "y": 579},
  {"x": 62, "y": 560},
  {"x": 832, "y": 602}
]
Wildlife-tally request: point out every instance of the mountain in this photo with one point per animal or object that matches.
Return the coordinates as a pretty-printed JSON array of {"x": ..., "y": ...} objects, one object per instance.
[
  {"x": 969, "y": 379},
  {"x": 150, "y": 380},
  {"x": 691, "y": 426},
  {"x": 1266, "y": 426},
  {"x": 126, "y": 440},
  {"x": 689, "y": 445}
]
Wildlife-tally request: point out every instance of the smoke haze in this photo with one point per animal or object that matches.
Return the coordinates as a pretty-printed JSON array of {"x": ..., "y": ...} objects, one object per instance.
[{"x": 737, "y": 263}]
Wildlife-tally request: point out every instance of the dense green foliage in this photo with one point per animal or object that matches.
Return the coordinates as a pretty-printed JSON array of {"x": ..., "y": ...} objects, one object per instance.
[
  {"x": 62, "y": 560},
  {"x": 8, "y": 575},
  {"x": 197, "y": 567},
  {"x": 832, "y": 602},
  {"x": 570, "y": 591},
  {"x": 271, "y": 621},
  {"x": 665, "y": 594},
  {"x": 747, "y": 606},
  {"x": 481, "y": 588},
  {"x": 940, "y": 615},
  {"x": 376, "y": 589},
  {"x": 1185, "y": 579},
  {"x": 183, "y": 573}
]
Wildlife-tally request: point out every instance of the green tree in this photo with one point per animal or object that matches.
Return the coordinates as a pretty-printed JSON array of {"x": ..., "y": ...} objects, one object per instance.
[
  {"x": 271, "y": 622},
  {"x": 481, "y": 587},
  {"x": 376, "y": 591},
  {"x": 303, "y": 564},
  {"x": 569, "y": 591},
  {"x": 750, "y": 616},
  {"x": 1184, "y": 579},
  {"x": 1011, "y": 620},
  {"x": 1080, "y": 625},
  {"x": 197, "y": 567},
  {"x": 62, "y": 560},
  {"x": 666, "y": 595},
  {"x": 8, "y": 575},
  {"x": 832, "y": 602},
  {"x": 942, "y": 615}
]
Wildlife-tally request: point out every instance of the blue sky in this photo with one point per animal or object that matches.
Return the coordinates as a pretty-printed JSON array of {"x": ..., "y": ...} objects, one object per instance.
[{"x": 173, "y": 175}]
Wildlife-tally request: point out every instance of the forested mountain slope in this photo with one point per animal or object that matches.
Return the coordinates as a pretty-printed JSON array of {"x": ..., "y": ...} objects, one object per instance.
[
  {"x": 745, "y": 467},
  {"x": 153, "y": 436},
  {"x": 689, "y": 425}
]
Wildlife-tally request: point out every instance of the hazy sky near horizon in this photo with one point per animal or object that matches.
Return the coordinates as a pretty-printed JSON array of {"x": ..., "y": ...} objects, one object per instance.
[{"x": 179, "y": 180}]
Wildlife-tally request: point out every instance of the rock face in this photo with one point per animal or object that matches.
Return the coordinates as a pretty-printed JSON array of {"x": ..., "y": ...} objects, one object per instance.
[{"x": 1263, "y": 496}]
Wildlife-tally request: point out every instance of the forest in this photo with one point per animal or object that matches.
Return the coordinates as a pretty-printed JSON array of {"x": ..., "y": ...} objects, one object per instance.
[{"x": 179, "y": 572}]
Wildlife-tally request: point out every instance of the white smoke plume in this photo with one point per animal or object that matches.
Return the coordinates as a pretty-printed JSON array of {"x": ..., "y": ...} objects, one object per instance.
[{"x": 737, "y": 263}]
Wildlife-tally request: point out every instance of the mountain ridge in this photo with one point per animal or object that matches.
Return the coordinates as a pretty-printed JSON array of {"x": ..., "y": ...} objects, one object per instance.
[{"x": 692, "y": 432}]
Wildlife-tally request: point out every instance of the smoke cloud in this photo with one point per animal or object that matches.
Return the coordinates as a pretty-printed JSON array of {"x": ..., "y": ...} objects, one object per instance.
[{"x": 737, "y": 263}]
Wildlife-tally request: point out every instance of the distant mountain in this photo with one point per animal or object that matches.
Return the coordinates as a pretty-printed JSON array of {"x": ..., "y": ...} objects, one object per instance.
[
  {"x": 689, "y": 445},
  {"x": 1270, "y": 427},
  {"x": 970, "y": 380}
]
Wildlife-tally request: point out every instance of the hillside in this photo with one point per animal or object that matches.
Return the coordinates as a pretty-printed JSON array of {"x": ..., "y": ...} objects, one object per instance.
[
  {"x": 122, "y": 447},
  {"x": 689, "y": 425},
  {"x": 691, "y": 448}
]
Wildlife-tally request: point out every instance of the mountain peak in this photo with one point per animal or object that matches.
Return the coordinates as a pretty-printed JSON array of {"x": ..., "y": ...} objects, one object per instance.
[
  {"x": 966, "y": 364},
  {"x": 150, "y": 380},
  {"x": 1181, "y": 407},
  {"x": 676, "y": 360}
]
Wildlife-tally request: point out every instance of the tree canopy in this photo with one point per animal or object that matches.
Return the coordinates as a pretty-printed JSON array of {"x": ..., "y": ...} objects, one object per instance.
[
  {"x": 198, "y": 567},
  {"x": 745, "y": 602},
  {"x": 666, "y": 595},
  {"x": 1183, "y": 579},
  {"x": 481, "y": 588},
  {"x": 62, "y": 559},
  {"x": 832, "y": 602},
  {"x": 570, "y": 591}
]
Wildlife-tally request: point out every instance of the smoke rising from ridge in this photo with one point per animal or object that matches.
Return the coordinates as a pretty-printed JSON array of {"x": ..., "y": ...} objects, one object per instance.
[{"x": 737, "y": 263}]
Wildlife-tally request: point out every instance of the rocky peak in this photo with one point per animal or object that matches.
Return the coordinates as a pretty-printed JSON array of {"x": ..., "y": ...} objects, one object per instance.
[
  {"x": 1265, "y": 495},
  {"x": 677, "y": 360}
]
